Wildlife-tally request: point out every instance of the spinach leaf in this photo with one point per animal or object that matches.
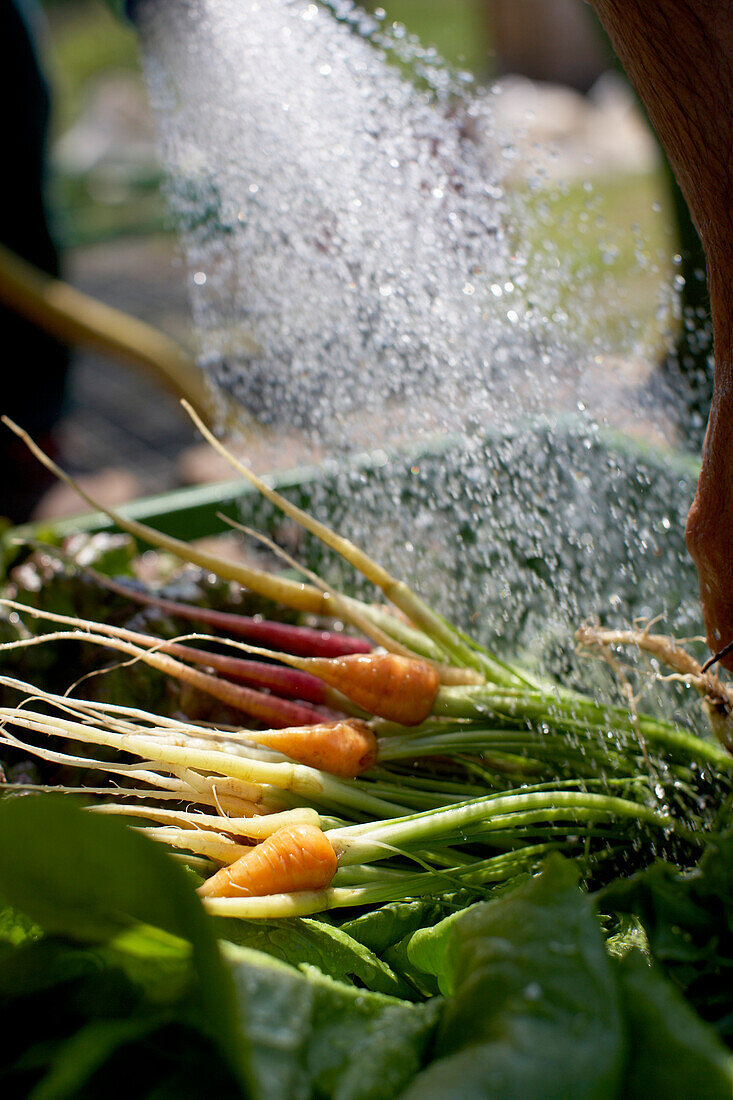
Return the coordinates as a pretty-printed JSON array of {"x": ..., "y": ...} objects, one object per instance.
[
  {"x": 672, "y": 1052},
  {"x": 305, "y": 943},
  {"x": 311, "y": 1035},
  {"x": 387, "y": 926},
  {"x": 533, "y": 1008}
]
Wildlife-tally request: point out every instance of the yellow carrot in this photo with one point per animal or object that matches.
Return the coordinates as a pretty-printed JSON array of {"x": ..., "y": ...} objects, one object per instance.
[{"x": 345, "y": 749}]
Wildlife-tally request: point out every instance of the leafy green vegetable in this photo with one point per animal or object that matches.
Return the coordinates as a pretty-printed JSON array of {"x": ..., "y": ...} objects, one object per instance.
[
  {"x": 688, "y": 920},
  {"x": 111, "y": 980},
  {"x": 310, "y": 1035},
  {"x": 91, "y": 879},
  {"x": 388, "y": 931},
  {"x": 75, "y": 1022},
  {"x": 533, "y": 1008},
  {"x": 672, "y": 1053},
  {"x": 307, "y": 943},
  {"x": 387, "y": 926}
]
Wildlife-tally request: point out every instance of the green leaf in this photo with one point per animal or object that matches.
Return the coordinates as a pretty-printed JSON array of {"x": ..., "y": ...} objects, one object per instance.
[
  {"x": 75, "y": 1024},
  {"x": 306, "y": 943},
  {"x": 90, "y": 878},
  {"x": 427, "y": 948},
  {"x": 688, "y": 921},
  {"x": 388, "y": 925},
  {"x": 398, "y": 957},
  {"x": 310, "y": 1035},
  {"x": 670, "y": 1046},
  {"x": 15, "y": 927},
  {"x": 36, "y": 966},
  {"x": 86, "y": 1053},
  {"x": 534, "y": 1010}
]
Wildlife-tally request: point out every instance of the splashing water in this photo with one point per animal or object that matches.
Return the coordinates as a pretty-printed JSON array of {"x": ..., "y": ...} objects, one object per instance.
[
  {"x": 344, "y": 223},
  {"x": 340, "y": 199}
]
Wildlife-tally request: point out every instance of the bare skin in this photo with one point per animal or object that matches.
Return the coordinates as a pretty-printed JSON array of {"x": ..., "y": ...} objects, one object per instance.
[{"x": 679, "y": 55}]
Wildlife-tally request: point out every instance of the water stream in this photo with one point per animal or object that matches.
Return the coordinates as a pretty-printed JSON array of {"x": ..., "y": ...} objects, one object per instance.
[{"x": 358, "y": 280}]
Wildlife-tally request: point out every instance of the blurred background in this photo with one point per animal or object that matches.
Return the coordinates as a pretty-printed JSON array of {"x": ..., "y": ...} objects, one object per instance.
[{"x": 598, "y": 181}]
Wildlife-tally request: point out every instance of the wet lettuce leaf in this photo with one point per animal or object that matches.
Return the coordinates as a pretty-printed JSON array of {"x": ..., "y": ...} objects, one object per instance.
[
  {"x": 538, "y": 1006},
  {"x": 310, "y": 1035},
  {"x": 387, "y": 926},
  {"x": 389, "y": 931},
  {"x": 112, "y": 979},
  {"x": 533, "y": 1008},
  {"x": 91, "y": 880}
]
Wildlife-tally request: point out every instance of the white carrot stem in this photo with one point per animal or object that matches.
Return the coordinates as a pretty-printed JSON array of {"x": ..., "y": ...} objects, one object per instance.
[
  {"x": 271, "y": 907},
  {"x": 200, "y": 841},
  {"x": 255, "y": 828}
]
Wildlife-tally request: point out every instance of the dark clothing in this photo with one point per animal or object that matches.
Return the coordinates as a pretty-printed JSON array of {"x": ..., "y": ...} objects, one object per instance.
[{"x": 33, "y": 365}]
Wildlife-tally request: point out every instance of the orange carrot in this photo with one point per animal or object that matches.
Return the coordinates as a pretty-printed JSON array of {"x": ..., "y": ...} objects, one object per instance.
[
  {"x": 401, "y": 689},
  {"x": 295, "y": 858},
  {"x": 345, "y": 749}
]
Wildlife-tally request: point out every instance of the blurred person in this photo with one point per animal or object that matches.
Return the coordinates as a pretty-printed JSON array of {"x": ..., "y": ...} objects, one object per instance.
[
  {"x": 557, "y": 41},
  {"x": 34, "y": 365}
]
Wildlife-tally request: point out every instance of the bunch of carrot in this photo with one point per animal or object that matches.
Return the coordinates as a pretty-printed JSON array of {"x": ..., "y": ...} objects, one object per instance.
[{"x": 403, "y": 744}]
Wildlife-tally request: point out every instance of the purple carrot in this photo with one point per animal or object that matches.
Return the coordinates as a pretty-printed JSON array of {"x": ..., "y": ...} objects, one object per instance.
[
  {"x": 270, "y": 710},
  {"x": 289, "y": 682},
  {"x": 302, "y": 641}
]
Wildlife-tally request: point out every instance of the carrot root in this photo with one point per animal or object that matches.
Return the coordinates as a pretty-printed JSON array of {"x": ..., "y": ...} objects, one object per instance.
[
  {"x": 344, "y": 749},
  {"x": 400, "y": 689},
  {"x": 294, "y": 859}
]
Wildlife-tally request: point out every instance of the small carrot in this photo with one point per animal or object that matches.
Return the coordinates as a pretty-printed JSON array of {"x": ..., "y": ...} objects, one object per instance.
[
  {"x": 263, "y": 707},
  {"x": 288, "y": 682},
  {"x": 345, "y": 749},
  {"x": 400, "y": 689},
  {"x": 295, "y": 858}
]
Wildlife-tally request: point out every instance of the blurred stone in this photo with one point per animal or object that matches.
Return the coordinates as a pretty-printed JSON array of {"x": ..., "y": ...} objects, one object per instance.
[
  {"x": 114, "y": 136},
  {"x": 261, "y": 452},
  {"x": 110, "y": 487},
  {"x": 556, "y": 133}
]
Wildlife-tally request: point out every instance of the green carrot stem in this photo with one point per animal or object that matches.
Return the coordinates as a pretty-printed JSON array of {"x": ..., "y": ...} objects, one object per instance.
[
  {"x": 573, "y": 711},
  {"x": 415, "y": 640},
  {"x": 377, "y": 893},
  {"x": 364, "y": 843},
  {"x": 477, "y": 739}
]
